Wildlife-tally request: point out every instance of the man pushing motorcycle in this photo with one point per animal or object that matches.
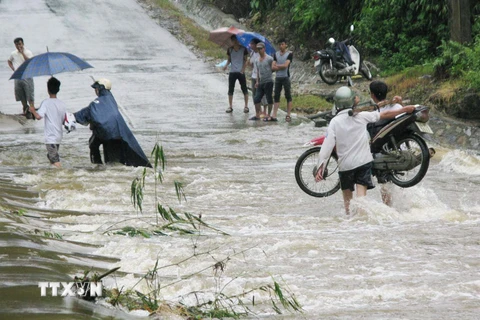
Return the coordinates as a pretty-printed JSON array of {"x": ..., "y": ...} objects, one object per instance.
[{"x": 347, "y": 133}]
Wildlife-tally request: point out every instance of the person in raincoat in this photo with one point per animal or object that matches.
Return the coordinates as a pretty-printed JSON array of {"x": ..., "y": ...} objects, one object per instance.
[{"x": 110, "y": 130}]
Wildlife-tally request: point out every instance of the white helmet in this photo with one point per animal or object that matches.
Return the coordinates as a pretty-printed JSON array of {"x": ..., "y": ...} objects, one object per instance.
[
  {"x": 344, "y": 98},
  {"x": 102, "y": 82}
]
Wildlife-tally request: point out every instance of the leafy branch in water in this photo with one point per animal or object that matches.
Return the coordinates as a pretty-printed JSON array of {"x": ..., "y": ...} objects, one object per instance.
[
  {"x": 47, "y": 234},
  {"x": 185, "y": 223},
  {"x": 205, "y": 304},
  {"x": 136, "y": 191},
  {"x": 215, "y": 303}
]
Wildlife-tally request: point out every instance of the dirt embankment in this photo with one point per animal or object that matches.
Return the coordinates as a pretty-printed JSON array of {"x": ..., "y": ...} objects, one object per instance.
[{"x": 449, "y": 131}]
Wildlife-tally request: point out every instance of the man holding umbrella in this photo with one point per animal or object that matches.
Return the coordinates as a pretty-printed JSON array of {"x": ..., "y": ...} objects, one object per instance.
[
  {"x": 237, "y": 57},
  {"x": 24, "y": 88}
]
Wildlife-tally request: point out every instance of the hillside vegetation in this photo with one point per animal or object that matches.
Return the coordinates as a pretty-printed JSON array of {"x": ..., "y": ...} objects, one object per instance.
[
  {"x": 407, "y": 41},
  {"x": 400, "y": 37}
]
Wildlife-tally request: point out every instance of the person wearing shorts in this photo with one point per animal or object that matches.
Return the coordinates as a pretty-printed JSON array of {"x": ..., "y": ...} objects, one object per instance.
[
  {"x": 264, "y": 85},
  {"x": 361, "y": 175},
  {"x": 254, "y": 56},
  {"x": 53, "y": 155},
  {"x": 24, "y": 88},
  {"x": 237, "y": 57},
  {"x": 347, "y": 133},
  {"x": 281, "y": 64},
  {"x": 53, "y": 111}
]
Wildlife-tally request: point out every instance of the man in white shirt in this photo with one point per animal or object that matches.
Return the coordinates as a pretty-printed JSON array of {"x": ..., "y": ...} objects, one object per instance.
[
  {"x": 378, "y": 94},
  {"x": 24, "y": 89},
  {"x": 347, "y": 133},
  {"x": 53, "y": 110}
]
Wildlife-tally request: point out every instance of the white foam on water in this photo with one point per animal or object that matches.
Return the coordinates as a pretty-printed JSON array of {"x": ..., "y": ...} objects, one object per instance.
[
  {"x": 460, "y": 161},
  {"x": 411, "y": 204}
]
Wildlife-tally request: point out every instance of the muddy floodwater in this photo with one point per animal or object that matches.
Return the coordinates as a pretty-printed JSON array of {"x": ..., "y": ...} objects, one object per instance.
[{"x": 419, "y": 259}]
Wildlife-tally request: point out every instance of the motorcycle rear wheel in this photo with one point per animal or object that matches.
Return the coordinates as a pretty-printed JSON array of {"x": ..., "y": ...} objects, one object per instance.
[
  {"x": 365, "y": 71},
  {"x": 306, "y": 169},
  {"x": 324, "y": 66},
  {"x": 416, "y": 145}
]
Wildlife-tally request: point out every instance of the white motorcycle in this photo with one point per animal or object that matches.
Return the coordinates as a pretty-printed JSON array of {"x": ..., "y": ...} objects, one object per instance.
[{"x": 342, "y": 59}]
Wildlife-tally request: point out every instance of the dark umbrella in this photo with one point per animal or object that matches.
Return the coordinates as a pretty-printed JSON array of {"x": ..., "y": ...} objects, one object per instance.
[
  {"x": 244, "y": 39},
  {"x": 49, "y": 63}
]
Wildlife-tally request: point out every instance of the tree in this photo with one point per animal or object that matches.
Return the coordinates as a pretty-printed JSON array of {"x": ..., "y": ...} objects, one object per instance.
[{"x": 460, "y": 23}]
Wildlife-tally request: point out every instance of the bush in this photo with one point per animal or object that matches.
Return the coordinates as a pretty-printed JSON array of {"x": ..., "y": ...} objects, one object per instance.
[
  {"x": 459, "y": 61},
  {"x": 410, "y": 31}
]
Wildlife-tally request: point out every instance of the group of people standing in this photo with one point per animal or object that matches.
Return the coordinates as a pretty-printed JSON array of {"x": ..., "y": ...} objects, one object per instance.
[
  {"x": 266, "y": 93},
  {"x": 109, "y": 129}
]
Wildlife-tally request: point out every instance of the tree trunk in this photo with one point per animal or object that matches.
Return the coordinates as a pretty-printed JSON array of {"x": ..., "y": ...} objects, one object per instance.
[{"x": 460, "y": 21}]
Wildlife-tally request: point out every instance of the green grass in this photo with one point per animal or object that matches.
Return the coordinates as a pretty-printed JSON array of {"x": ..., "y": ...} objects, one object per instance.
[
  {"x": 410, "y": 80},
  {"x": 308, "y": 104},
  {"x": 192, "y": 33}
]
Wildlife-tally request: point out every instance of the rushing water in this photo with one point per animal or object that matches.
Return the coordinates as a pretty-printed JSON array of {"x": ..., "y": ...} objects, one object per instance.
[{"x": 416, "y": 260}]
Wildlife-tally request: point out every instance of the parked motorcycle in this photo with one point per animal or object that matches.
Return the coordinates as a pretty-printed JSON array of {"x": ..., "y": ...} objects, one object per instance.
[
  {"x": 400, "y": 153},
  {"x": 342, "y": 59}
]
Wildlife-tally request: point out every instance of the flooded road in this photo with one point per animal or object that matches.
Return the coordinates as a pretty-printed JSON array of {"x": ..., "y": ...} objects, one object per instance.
[{"x": 419, "y": 259}]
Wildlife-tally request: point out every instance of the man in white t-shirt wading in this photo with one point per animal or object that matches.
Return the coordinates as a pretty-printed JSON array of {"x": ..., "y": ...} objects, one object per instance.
[
  {"x": 53, "y": 110},
  {"x": 24, "y": 89},
  {"x": 348, "y": 134}
]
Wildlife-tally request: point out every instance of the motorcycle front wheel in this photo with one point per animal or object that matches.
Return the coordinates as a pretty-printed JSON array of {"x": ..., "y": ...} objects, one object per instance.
[
  {"x": 325, "y": 66},
  {"x": 306, "y": 169},
  {"x": 417, "y": 146},
  {"x": 365, "y": 71}
]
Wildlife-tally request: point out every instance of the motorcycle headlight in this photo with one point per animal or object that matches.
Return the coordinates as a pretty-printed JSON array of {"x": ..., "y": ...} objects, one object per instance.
[
  {"x": 422, "y": 116},
  {"x": 324, "y": 55}
]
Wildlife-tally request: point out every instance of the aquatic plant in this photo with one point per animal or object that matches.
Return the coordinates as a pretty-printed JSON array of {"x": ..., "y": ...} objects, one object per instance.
[
  {"x": 208, "y": 304},
  {"x": 167, "y": 219}
]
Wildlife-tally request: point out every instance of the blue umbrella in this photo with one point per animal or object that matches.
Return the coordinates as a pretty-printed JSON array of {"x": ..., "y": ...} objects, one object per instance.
[
  {"x": 49, "y": 63},
  {"x": 245, "y": 38}
]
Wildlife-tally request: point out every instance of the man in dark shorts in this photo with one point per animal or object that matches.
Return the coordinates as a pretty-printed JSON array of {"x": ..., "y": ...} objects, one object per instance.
[
  {"x": 237, "y": 57},
  {"x": 254, "y": 56},
  {"x": 281, "y": 64},
  {"x": 348, "y": 134},
  {"x": 264, "y": 84},
  {"x": 24, "y": 88}
]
